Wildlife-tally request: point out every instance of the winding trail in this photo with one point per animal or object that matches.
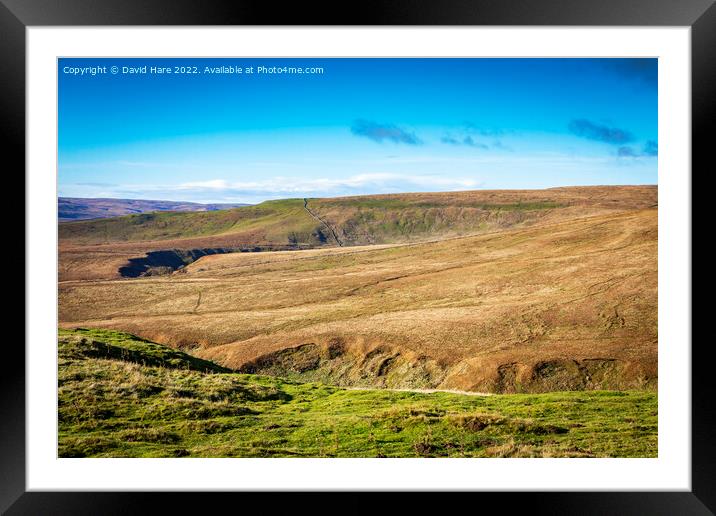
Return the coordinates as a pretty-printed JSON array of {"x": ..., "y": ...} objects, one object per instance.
[
  {"x": 198, "y": 302},
  {"x": 420, "y": 391},
  {"x": 319, "y": 219}
]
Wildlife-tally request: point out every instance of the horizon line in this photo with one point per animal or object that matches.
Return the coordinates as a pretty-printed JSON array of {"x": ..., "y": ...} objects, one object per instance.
[{"x": 205, "y": 203}]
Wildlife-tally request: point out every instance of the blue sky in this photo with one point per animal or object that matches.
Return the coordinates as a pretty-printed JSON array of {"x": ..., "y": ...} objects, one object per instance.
[{"x": 360, "y": 126}]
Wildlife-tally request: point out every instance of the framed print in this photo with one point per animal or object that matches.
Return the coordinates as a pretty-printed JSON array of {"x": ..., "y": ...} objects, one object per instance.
[{"x": 420, "y": 249}]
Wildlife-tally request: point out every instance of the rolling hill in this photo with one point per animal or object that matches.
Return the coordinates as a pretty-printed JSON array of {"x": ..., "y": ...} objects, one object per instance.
[
  {"x": 529, "y": 299},
  {"x": 97, "y": 249},
  {"x": 76, "y": 208},
  {"x": 360, "y": 220}
]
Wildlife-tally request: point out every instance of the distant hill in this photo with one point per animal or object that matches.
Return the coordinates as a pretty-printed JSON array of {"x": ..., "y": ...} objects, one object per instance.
[
  {"x": 74, "y": 208},
  {"x": 97, "y": 249},
  {"x": 369, "y": 219}
]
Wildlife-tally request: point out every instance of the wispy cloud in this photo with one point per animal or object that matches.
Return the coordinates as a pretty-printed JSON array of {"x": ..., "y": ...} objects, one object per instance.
[
  {"x": 288, "y": 186},
  {"x": 626, "y": 152},
  {"x": 474, "y": 128},
  {"x": 469, "y": 141},
  {"x": 603, "y": 133},
  {"x": 450, "y": 140},
  {"x": 466, "y": 140},
  {"x": 222, "y": 190},
  {"x": 650, "y": 149},
  {"x": 470, "y": 134},
  {"x": 378, "y": 132},
  {"x": 96, "y": 184},
  {"x": 126, "y": 164}
]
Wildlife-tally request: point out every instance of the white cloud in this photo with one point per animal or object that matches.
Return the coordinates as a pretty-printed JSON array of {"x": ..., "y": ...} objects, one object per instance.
[
  {"x": 361, "y": 183},
  {"x": 214, "y": 183},
  {"x": 223, "y": 190},
  {"x": 314, "y": 185}
]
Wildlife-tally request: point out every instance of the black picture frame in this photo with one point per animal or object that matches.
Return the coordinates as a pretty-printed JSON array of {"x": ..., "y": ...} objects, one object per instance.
[{"x": 17, "y": 15}]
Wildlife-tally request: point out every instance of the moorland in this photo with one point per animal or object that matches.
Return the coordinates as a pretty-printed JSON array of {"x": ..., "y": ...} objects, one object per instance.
[{"x": 542, "y": 301}]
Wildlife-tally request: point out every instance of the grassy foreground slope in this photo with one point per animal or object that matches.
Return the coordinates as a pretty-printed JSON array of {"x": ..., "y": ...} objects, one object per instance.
[
  {"x": 565, "y": 306},
  {"x": 120, "y": 396}
]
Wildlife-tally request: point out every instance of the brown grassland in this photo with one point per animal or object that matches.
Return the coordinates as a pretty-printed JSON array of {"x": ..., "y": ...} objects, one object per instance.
[{"x": 515, "y": 291}]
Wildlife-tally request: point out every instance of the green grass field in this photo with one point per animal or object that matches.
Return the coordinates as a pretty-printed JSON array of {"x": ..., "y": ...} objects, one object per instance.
[
  {"x": 360, "y": 220},
  {"x": 121, "y": 396},
  {"x": 271, "y": 217}
]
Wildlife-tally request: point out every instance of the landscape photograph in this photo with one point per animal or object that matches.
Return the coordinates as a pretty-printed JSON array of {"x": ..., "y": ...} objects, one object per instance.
[{"x": 357, "y": 257}]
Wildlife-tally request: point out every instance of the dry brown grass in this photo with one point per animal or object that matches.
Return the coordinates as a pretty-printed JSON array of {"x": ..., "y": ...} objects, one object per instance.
[
  {"x": 510, "y": 310},
  {"x": 88, "y": 250}
]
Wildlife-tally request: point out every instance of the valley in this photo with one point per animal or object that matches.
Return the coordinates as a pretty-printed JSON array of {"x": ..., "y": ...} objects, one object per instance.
[{"x": 520, "y": 298}]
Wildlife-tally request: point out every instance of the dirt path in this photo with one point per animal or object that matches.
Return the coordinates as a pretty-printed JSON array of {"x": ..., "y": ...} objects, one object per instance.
[
  {"x": 421, "y": 391},
  {"x": 198, "y": 302},
  {"x": 319, "y": 219}
]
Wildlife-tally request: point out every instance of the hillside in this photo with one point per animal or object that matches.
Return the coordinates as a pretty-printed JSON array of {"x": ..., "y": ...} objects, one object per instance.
[
  {"x": 120, "y": 396},
  {"x": 97, "y": 249},
  {"x": 565, "y": 304},
  {"x": 360, "y": 220},
  {"x": 75, "y": 208}
]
